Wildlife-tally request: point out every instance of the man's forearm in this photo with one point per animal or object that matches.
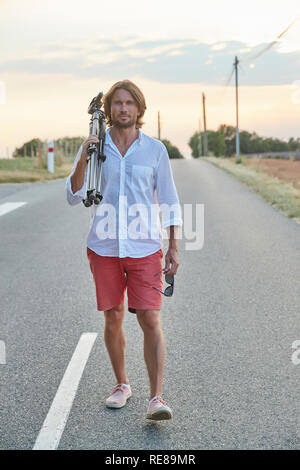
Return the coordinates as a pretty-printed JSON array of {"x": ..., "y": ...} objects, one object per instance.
[
  {"x": 77, "y": 179},
  {"x": 171, "y": 259},
  {"x": 172, "y": 233}
]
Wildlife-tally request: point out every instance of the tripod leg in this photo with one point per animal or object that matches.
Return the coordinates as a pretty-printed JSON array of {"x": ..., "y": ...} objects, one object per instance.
[
  {"x": 87, "y": 201},
  {"x": 93, "y": 173},
  {"x": 99, "y": 170}
]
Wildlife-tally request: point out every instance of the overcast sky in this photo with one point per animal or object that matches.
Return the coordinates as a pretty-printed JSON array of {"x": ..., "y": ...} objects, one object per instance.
[{"x": 57, "y": 55}]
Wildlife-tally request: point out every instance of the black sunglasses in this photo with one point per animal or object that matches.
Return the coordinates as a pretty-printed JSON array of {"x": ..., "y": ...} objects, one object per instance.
[{"x": 168, "y": 292}]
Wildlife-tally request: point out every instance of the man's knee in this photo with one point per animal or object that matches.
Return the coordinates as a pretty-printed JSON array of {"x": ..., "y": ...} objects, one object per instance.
[
  {"x": 114, "y": 317},
  {"x": 149, "y": 319}
]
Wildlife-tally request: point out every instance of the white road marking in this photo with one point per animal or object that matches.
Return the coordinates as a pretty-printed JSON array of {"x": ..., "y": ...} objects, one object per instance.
[
  {"x": 2, "y": 352},
  {"x": 56, "y": 419},
  {"x": 10, "y": 206}
]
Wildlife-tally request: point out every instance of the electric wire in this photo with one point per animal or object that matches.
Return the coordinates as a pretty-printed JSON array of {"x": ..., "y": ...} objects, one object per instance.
[{"x": 253, "y": 57}]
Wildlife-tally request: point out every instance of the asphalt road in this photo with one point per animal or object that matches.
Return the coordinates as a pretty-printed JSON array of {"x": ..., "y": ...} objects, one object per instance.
[{"x": 230, "y": 326}]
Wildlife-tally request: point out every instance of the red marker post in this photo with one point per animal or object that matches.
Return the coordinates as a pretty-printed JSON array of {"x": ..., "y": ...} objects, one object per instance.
[{"x": 51, "y": 156}]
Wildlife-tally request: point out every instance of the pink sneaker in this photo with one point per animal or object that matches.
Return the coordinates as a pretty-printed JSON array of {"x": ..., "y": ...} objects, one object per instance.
[
  {"x": 118, "y": 396},
  {"x": 158, "y": 409}
]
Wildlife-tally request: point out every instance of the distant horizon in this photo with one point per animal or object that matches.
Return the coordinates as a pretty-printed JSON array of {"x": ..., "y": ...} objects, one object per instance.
[
  {"x": 284, "y": 139},
  {"x": 187, "y": 154}
]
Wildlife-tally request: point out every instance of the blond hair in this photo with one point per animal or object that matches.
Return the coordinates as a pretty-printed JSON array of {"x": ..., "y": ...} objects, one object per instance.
[{"x": 136, "y": 94}]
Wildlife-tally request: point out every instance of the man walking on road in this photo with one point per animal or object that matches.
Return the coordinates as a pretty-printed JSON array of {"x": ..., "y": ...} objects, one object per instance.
[{"x": 135, "y": 177}]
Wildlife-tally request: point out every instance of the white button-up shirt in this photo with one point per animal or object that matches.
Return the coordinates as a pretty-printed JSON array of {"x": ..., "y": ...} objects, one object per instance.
[{"x": 135, "y": 189}]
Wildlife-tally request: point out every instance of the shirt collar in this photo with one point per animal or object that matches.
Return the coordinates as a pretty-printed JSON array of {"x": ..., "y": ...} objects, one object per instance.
[{"x": 139, "y": 139}]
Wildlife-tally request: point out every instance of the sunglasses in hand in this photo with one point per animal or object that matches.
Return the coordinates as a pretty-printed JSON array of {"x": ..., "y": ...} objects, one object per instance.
[{"x": 168, "y": 292}]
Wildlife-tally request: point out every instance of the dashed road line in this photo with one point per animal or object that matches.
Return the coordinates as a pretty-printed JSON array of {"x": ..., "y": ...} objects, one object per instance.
[
  {"x": 2, "y": 352},
  {"x": 56, "y": 419},
  {"x": 10, "y": 206}
]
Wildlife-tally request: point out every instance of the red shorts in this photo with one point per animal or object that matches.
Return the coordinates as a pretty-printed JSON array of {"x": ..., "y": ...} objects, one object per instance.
[{"x": 112, "y": 275}]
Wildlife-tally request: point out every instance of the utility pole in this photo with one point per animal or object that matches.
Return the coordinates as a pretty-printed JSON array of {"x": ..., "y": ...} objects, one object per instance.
[
  {"x": 200, "y": 141},
  {"x": 237, "y": 132},
  {"x": 205, "y": 148},
  {"x": 158, "y": 119}
]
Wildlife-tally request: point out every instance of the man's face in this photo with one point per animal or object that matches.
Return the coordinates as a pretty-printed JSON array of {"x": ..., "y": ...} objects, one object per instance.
[{"x": 124, "y": 109}]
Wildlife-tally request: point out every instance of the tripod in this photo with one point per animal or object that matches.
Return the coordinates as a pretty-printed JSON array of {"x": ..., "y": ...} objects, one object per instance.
[{"x": 95, "y": 152}]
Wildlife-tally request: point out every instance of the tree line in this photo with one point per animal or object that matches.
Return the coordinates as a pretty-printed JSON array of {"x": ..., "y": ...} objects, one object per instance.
[
  {"x": 67, "y": 147},
  {"x": 222, "y": 142}
]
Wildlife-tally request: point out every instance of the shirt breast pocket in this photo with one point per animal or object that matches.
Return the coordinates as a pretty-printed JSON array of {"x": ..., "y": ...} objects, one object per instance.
[{"x": 142, "y": 175}]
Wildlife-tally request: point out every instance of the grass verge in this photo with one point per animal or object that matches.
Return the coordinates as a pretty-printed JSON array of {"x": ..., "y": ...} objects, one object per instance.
[
  {"x": 26, "y": 170},
  {"x": 285, "y": 197}
]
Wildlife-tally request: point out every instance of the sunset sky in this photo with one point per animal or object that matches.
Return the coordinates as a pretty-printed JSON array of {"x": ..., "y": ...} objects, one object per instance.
[{"x": 56, "y": 55}]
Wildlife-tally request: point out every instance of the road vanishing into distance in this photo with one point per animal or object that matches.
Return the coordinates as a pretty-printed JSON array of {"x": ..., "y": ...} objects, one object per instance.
[{"x": 232, "y": 327}]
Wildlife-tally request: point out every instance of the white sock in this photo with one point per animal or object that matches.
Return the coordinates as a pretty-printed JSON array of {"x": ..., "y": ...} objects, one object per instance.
[{"x": 126, "y": 385}]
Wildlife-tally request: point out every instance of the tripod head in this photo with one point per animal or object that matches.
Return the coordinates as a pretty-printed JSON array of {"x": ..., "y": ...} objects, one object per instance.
[{"x": 96, "y": 103}]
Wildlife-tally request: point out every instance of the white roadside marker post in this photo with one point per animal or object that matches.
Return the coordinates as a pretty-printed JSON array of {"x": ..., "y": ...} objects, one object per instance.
[{"x": 51, "y": 156}]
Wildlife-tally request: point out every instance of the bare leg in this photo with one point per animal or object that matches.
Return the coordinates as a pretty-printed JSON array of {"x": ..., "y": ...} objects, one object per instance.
[
  {"x": 115, "y": 341},
  {"x": 154, "y": 348}
]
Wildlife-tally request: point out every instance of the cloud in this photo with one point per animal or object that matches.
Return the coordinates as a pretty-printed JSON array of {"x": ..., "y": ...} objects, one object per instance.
[{"x": 167, "y": 61}]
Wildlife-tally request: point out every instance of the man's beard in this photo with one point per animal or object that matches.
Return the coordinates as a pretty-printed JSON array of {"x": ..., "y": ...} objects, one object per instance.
[{"x": 123, "y": 125}]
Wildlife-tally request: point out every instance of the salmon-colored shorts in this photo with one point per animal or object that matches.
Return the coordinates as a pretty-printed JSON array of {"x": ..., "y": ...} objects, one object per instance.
[{"x": 113, "y": 275}]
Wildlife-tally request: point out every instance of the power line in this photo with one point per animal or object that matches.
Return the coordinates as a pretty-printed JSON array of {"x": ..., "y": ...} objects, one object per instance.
[
  {"x": 247, "y": 58},
  {"x": 224, "y": 89}
]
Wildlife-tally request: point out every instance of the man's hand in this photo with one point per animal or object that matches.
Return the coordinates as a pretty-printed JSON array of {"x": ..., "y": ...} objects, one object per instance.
[
  {"x": 171, "y": 258},
  {"x": 91, "y": 139},
  {"x": 171, "y": 261}
]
